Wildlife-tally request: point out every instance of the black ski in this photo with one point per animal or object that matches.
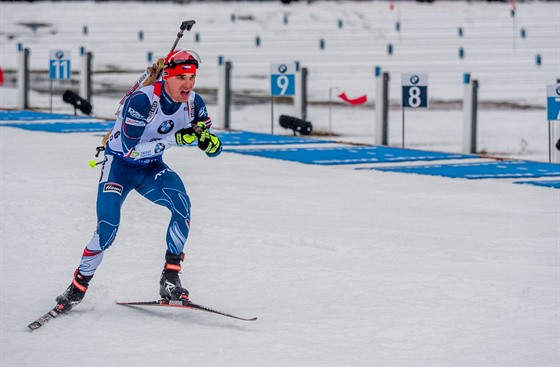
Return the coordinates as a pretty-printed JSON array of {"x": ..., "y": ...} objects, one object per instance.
[
  {"x": 184, "y": 304},
  {"x": 52, "y": 314}
]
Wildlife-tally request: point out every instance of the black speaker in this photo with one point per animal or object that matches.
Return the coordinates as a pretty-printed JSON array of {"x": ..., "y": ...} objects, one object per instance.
[
  {"x": 297, "y": 125},
  {"x": 77, "y": 101}
]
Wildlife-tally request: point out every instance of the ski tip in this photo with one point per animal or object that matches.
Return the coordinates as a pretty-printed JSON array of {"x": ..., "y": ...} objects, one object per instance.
[
  {"x": 125, "y": 304},
  {"x": 52, "y": 314},
  {"x": 137, "y": 304}
]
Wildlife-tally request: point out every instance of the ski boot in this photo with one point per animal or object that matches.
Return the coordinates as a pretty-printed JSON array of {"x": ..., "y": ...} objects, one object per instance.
[
  {"x": 74, "y": 293},
  {"x": 170, "y": 285}
]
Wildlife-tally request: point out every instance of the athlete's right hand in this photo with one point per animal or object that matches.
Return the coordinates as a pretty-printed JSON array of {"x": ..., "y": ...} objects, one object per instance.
[{"x": 185, "y": 136}]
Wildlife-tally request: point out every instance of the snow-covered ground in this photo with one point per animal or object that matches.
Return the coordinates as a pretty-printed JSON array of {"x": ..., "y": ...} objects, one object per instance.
[{"x": 342, "y": 267}]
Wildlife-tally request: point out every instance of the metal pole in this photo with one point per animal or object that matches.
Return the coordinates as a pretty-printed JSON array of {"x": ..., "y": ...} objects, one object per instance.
[
  {"x": 330, "y": 111},
  {"x": 549, "y": 141},
  {"x": 330, "y": 108},
  {"x": 403, "y": 126},
  {"x": 272, "y": 115},
  {"x": 50, "y": 97}
]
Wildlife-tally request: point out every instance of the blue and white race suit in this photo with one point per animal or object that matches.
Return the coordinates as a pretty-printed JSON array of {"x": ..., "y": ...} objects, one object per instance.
[{"x": 143, "y": 130}]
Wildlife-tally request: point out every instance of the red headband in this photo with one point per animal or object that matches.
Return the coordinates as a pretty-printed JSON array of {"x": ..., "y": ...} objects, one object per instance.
[{"x": 178, "y": 70}]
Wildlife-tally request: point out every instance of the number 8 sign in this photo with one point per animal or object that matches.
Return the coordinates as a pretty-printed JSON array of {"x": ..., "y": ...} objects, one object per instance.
[
  {"x": 415, "y": 90},
  {"x": 282, "y": 79}
]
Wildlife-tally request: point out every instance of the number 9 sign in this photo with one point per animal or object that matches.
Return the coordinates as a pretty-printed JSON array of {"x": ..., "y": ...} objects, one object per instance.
[
  {"x": 282, "y": 79},
  {"x": 415, "y": 90}
]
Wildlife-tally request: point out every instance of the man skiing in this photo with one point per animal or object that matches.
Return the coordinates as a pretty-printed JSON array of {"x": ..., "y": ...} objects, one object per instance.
[{"x": 155, "y": 117}]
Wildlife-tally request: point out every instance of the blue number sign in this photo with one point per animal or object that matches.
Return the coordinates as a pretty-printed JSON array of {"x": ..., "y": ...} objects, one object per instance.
[
  {"x": 282, "y": 79},
  {"x": 553, "y": 102},
  {"x": 59, "y": 64},
  {"x": 415, "y": 90}
]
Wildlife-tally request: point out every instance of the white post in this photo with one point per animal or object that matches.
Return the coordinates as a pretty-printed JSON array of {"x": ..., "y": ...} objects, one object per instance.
[
  {"x": 224, "y": 92},
  {"x": 221, "y": 97},
  {"x": 23, "y": 77},
  {"x": 381, "y": 107},
  {"x": 469, "y": 116},
  {"x": 300, "y": 97},
  {"x": 298, "y": 92},
  {"x": 85, "y": 75}
]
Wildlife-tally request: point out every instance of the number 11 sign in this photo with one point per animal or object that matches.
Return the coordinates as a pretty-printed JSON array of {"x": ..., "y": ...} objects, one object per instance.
[
  {"x": 59, "y": 69},
  {"x": 59, "y": 64}
]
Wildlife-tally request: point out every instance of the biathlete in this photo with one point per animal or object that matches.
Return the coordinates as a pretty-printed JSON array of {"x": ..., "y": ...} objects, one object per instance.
[{"x": 154, "y": 118}]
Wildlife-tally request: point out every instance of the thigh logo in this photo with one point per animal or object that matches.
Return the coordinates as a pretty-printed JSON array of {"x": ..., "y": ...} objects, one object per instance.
[
  {"x": 113, "y": 187},
  {"x": 161, "y": 173}
]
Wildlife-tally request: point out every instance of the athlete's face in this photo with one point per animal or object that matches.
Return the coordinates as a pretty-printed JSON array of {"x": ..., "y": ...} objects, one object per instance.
[{"x": 180, "y": 86}]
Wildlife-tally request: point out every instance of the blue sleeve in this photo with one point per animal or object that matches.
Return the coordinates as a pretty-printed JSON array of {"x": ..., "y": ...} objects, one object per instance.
[
  {"x": 201, "y": 113},
  {"x": 135, "y": 116}
]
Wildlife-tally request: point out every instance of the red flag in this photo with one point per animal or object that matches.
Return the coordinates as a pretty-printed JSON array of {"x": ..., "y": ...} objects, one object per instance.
[
  {"x": 392, "y": 5},
  {"x": 513, "y": 5},
  {"x": 355, "y": 101}
]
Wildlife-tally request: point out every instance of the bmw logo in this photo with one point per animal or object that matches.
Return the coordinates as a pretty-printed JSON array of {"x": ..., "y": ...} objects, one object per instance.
[
  {"x": 558, "y": 91},
  {"x": 282, "y": 69},
  {"x": 159, "y": 148},
  {"x": 414, "y": 79},
  {"x": 59, "y": 54},
  {"x": 166, "y": 127}
]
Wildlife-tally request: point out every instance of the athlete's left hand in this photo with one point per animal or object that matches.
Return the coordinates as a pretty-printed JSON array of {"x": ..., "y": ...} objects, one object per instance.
[{"x": 208, "y": 142}]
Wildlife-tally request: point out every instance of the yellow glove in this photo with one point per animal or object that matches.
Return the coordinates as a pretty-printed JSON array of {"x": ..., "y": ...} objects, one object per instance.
[
  {"x": 185, "y": 136},
  {"x": 200, "y": 127},
  {"x": 190, "y": 134},
  {"x": 208, "y": 142}
]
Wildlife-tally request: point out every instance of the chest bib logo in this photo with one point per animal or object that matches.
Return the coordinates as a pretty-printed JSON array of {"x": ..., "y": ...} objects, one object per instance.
[
  {"x": 166, "y": 127},
  {"x": 159, "y": 148}
]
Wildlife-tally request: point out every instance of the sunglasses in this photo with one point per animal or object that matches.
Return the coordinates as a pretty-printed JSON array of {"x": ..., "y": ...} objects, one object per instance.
[{"x": 194, "y": 60}]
